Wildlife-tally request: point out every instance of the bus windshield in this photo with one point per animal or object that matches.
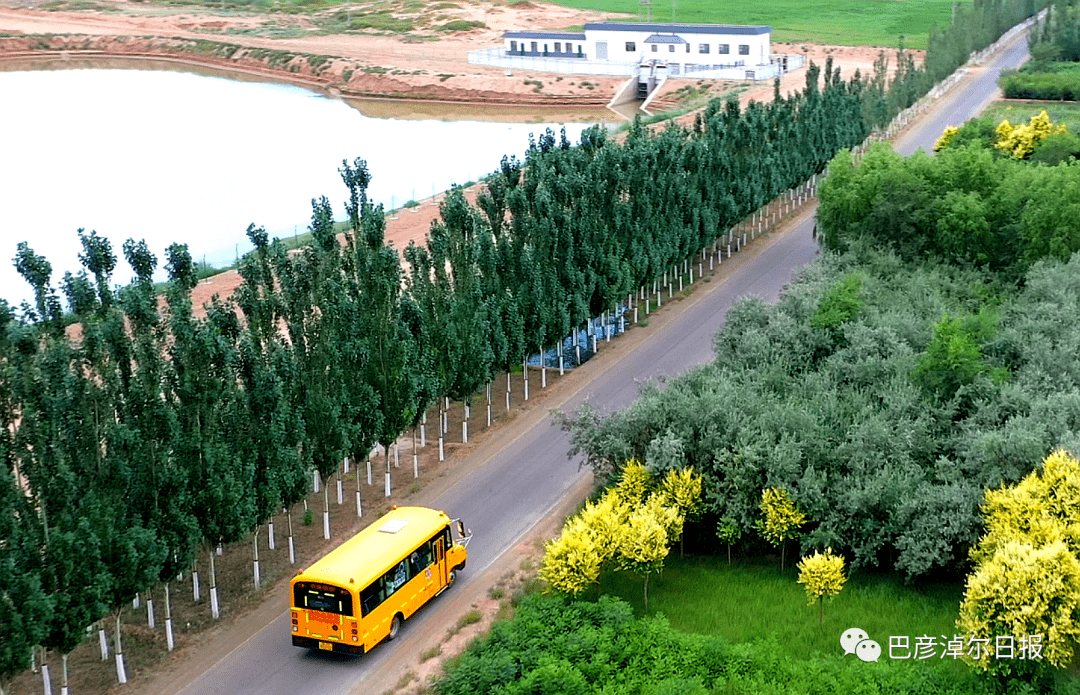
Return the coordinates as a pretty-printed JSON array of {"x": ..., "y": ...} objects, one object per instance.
[{"x": 322, "y": 597}]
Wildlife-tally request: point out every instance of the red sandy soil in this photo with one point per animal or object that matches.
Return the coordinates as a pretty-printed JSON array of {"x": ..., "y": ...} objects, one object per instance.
[{"x": 426, "y": 68}]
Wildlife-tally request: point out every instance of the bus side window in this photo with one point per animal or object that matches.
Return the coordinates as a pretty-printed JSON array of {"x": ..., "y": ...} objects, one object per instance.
[
  {"x": 371, "y": 597},
  {"x": 420, "y": 559}
]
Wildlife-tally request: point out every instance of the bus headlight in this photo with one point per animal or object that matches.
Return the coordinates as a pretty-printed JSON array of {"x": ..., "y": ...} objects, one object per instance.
[
  {"x": 295, "y": 629},
  {"x": 354, "y": 638}
]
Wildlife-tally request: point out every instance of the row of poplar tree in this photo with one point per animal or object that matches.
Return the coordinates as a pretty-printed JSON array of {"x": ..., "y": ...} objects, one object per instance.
[{"x": 134, "y": 430}]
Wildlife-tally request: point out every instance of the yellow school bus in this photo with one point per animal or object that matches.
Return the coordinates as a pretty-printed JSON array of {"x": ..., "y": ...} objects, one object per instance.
[{"x": 362, "y": 592}]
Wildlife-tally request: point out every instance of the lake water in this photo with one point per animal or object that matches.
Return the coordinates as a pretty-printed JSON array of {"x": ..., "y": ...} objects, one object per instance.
[{"x": 180, "y": 157}]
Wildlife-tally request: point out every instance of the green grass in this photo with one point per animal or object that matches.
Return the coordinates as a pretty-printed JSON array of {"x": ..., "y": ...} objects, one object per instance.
[
  {"x": 1017, "y": 112},
  {"x": 751, "y": 600},
  {"x": 845, "y": 22}
]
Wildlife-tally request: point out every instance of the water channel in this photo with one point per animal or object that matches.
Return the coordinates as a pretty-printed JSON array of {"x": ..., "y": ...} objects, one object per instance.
[{"x": 167, "y": 154}]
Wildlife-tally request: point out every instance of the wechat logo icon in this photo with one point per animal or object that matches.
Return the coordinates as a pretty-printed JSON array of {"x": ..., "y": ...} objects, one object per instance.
[{"x": 856, "y": 641}]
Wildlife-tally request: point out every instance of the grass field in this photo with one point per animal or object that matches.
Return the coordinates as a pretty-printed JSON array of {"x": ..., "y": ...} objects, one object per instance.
[
  {"x": 1018, "y": 111},
  {"x": 845, "y": 22},
  {"x": 752, "y": 600}
]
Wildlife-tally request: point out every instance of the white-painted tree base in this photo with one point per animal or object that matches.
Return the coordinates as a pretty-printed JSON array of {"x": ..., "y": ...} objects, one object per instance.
[
  {"x": 326, "y": 525},
  {"x": 220, "y": 551},
  {"x": 104, "y": 642},
  {"x": 256, "y": 568},
  {"x": 388, "y": 483},
  {"x": 168, "y": 634},
  {"x": 442, "y": 456},
  {"x": 315, "y": 481},
  {"x": 359, "y": 508},
  {"x": 121, "y": 674},
  {"x": 369, "y": 472},
  {"x": 415, "y": 466},
  {"x": 464, "y": 432},
  {"x": 45, "y": 680},
  {"x": 423, "y": 435},
  {"x": 213, "y": 603},
  {"x": 270, "y": 535},
  {"x": 150, "y": 612},
  {"x": 135, "y": 602},
  {"x": 292, "y": 552},
  {"x": 397, "y": 456},
  {"x": 195, "y": 586},
  {"x": 340, "y": 492}
]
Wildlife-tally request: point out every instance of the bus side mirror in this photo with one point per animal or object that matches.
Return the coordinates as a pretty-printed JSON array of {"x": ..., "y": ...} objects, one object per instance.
[{"x": 461, "y": 528}]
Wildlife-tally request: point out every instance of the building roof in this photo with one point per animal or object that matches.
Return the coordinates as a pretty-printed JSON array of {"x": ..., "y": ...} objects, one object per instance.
[
  {"x": 665, "y": 38},
  {"x": 369, "y": 554},
  {"x": 555, "y": 35},
  {"x": 682, "y": 28}
]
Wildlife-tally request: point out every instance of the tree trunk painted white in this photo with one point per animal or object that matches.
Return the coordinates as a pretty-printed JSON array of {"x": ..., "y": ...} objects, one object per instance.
[
  {"x": 465, "y": 425},
  {"x": 213, "y": 590},
  {"x": 423, "y": 430},
  {"x": 369, "y": 469},
  {"x": 46, "y": 681},
  {"x": 594, "y": 342},
  {"x": 121, "y": 674},
  {"x": 543, "y": 369},
  {"x": 103, "y": 640},
  {"x": 314, "y": 481},
  {"x": 729, "y": 250},
  {"x": 648, "y": 309},
  {"x": 415, "y": 457},
  {"x": 561, "y": 369},
  {"x": 150, "y": 612},
  {"x": 442, "y": 451},
  {"x": 345, "y": 465},
  {"x": 525, "y": 376},
  {"x": 326, "y": 515},
  {"x": 168, "y": 619},
  {"x": 386, "y": 460},
  {"x": 255, "y": 546},
  {"x": 135, "y": 602},
  {"x": 680, "y": 283},
  {"x": 658, "y": 297},
  {"x": 195, "y": 593},
  {"x": 220, "y": 550},
  {"x": 292, "y": 550},
  {"x": 508, "y": 390},
  {"x": 340, "y": 491},
  {"x": 397, "y": 456},
  {"x": 63, "y": 675},
  {"x": 270, "y": 536},
  {"x": 577, "y": 352}
]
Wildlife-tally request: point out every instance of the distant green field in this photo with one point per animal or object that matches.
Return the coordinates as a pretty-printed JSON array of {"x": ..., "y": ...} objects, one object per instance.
[
  {"x": 1018, "y": 111},
  {"x": 751, "y": 600},
  {"x": 844, "y": 22}
]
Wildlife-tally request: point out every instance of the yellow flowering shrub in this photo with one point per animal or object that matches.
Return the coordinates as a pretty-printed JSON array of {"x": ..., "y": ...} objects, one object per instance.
[
  {"x": 634, "y": 483},
  {"x": 823, "y": 577},
  {"x": 1027, "y": 575},
  {"x": 1020, "y": 140},
  {"x": 943, "y": 142}
]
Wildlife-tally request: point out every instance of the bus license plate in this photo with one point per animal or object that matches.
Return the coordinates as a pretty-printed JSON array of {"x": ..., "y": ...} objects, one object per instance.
[{"x": 328, "y": 646}]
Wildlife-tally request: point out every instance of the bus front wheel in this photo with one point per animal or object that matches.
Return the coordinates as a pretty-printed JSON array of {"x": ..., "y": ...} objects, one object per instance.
[
  {"x": 395, "y": 626},
  {"x": 450, "y": 578}
]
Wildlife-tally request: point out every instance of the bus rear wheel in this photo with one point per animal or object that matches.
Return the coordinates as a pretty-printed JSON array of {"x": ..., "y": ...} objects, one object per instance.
[{"x": 395, "y": 626}]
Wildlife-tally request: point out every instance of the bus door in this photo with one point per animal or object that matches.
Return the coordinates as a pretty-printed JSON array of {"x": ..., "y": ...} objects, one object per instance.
[{"x": 440, "y": 561}]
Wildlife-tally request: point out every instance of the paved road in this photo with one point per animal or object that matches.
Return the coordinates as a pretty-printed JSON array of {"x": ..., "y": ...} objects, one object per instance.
[{"x": 519, "y": 483}]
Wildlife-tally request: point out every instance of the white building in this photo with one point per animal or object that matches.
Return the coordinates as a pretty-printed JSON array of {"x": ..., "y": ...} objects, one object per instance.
[{"x": 683, "y": 47}]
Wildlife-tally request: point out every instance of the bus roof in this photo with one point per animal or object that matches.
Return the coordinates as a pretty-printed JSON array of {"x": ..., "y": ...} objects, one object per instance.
[{"x": 370, "y": 553}]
